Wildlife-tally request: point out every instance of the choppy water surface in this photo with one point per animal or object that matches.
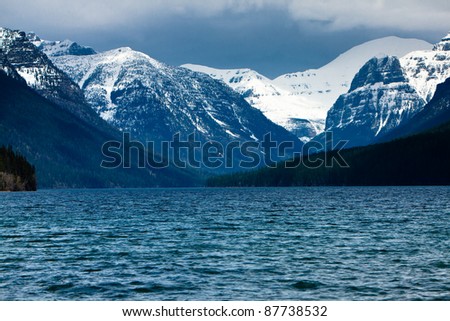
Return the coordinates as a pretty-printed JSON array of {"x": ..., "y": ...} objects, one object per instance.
[{"x": 368, "y": 243}]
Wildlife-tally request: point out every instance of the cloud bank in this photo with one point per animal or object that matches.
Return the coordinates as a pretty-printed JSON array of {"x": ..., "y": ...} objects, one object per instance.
[
  {"x": 270, "y": 36},
  {"x": 334, "y": 14}
]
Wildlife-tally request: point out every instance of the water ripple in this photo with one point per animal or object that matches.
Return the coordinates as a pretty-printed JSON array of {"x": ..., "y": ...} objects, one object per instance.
[{"x": 362, "y": 243}]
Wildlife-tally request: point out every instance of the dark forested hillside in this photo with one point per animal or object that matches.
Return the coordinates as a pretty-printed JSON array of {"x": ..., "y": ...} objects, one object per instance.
[
  {"x": 16, "y": 174},
  {"x": 422, "y": 159}
]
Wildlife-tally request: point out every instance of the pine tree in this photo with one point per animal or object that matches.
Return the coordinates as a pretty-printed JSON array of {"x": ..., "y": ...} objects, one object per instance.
[{"x": 16, "y": 174}]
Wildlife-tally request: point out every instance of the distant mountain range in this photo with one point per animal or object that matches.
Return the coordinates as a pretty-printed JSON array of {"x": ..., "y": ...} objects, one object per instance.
[
  {"x": 387, "y": 92},
  {"x": 65, "y": 149},
  {"x": 60, "y": 101},
  {"x": 300, "y": 101},
  {"x": 154, "y": 101},
  {"x": 360, "y": 96},
  {"x": 45, "y": 117}
]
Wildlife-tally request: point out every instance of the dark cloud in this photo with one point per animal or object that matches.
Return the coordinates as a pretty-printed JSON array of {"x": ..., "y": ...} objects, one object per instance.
[{"x": 272, "y": 37}]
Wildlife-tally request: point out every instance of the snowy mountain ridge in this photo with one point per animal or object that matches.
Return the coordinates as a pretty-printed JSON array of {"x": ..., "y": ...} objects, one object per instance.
[
  {"x": 380, "y": 99},
  {"x": 425, "y": 69},
  {"x": 133, "y": 91},
  {"x": 300, "y": 101},
  {"x": 388, "y": 92},
  {"x": 276, "y": 103},
  {"x": 82, "y": 69},
  {"x": 22, "y": 58},
  {"x": 138, "y": 94},
  {"x": 59, "y": 48}
]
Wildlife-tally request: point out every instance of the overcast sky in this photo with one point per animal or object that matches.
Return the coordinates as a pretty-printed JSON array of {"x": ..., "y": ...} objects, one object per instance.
[{"x": 270, "y": 36}]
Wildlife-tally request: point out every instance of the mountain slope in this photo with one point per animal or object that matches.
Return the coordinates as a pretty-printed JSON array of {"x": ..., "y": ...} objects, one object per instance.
[
  {"x": 153, "y": 101},
  {"x": 278, "y": 104},
  {"x": 425, "y": 69},
  {"x": 385, "y": 95},
  {"x": 65, "y": 149},
  {"x": 435, "y": 113},
  {"x": 300, "y": 101},
  {"x": 43, "y": 76},
  {"x": 44, "y": 116},
  {"x": 380, "y": 99},
  {"x": 327, "y": 83}
]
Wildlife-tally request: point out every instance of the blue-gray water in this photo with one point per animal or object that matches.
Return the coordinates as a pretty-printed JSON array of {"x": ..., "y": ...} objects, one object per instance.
[{"x": 361, "y": 243}]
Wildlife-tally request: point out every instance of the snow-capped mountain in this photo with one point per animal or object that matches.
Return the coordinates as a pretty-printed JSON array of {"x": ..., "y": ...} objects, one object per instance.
[
  {"x": 44, "y": 116},
  {"x": 387, "y": 92},
  {"x": 300, "y": 101},
  {"x": 327, "y": 83},
  {"x": 23, "y": 58},
  {"x": 379, "y": 100},
  {"x": 277, "y": 104},
  {"x": 137, "y": 94},
  {"x": 8, "y": 68},
  {"x": 434, "y": 114},
  {"x": 426, "y": 69},
  {"x": 59, "y": 48}
]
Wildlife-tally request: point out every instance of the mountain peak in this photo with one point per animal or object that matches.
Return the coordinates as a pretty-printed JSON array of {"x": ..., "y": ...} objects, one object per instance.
[
  {"x": 295, "y": 99},
  {"x": 444, "y": 44},
  {"x": 154, "y": 101},
  {"x": 123, "y": 55},
  {"x": 21, "y": 58},
  {"x": 6, "y": 32},
  {"x": 8, "y": 36},
  {"x": 380, "y": 99},
  {"x": 123, "y": 49},
  {"x": 33, "y": 37},
  {"x": 384, "y": 70}
]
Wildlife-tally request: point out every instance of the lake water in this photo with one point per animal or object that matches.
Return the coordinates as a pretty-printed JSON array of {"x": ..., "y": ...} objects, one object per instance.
[{"x": 358, "y": 243}]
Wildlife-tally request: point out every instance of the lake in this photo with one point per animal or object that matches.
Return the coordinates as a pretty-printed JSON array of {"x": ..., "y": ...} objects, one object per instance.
[{"x": 312, "y": 243}]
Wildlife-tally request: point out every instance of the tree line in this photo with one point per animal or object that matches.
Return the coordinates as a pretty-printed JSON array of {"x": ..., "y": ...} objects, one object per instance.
[
  {"x": 16, "y": 173},
  {"x": 421, "y": 159}
]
